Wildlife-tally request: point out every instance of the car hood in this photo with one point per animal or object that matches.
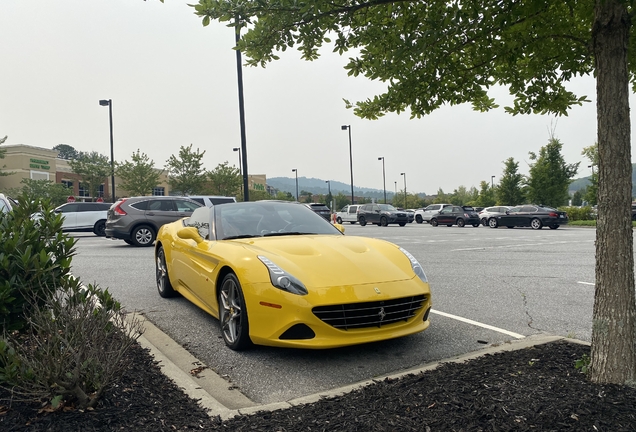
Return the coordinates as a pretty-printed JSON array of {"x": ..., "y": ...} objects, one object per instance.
[{"x": 328, "y": 260}]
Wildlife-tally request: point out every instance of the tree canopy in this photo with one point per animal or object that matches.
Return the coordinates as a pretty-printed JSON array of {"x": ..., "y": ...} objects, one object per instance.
[
  {"x": 186, "y": 172},
  {"x": 93, "y": 168},
  {"x": 225, "y": 180},
  {"x": 66, "y": 151},
  {"x": 510, "y": 190},
  {"x": 139, "y": 175},
  {"x": 550, "y": 176}
]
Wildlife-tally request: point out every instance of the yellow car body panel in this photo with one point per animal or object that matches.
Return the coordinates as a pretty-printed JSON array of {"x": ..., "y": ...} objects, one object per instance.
[{"x": 335, "y": 269}]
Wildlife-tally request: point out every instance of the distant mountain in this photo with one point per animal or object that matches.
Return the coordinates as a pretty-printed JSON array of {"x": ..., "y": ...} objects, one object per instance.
[
  {"x": 583, "y": 182},
  {"x": 320, "y": 187}
]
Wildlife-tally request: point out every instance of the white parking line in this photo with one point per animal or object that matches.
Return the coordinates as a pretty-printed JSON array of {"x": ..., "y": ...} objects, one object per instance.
[
  {"x": 478, "y": 324},
  {"x": 586, "y": 283}
]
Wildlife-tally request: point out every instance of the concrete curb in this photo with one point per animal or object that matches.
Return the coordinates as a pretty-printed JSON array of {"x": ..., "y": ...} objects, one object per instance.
[{"x": 214, "y": 395}]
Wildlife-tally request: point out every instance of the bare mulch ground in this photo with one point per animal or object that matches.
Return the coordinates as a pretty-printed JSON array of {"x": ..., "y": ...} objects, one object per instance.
[{"x": 535, "y": 389}]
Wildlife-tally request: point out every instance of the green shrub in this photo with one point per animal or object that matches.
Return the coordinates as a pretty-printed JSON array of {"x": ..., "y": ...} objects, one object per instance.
[
  {"x": 35, "y": 258},
  {"x": 578, "y": 213},
  {"x": 72, "y": 348}
]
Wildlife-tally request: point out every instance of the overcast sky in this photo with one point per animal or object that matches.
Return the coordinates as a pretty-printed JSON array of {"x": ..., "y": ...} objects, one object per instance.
[{"x": 173, "y": 83}]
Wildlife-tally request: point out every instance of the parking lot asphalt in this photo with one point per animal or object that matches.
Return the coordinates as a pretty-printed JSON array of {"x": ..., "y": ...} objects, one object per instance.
[{"x": 490, "y": 287}]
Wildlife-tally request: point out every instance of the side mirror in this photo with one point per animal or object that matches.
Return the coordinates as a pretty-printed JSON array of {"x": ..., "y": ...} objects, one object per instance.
[
  {"x": 190, "y": 233},
  {"x": 507, "y": 211},
  {"x": 340, "y": 227}
]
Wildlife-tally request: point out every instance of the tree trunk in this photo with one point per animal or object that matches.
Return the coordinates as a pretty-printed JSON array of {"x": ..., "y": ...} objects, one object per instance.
[{"x": 614, "y": 320}]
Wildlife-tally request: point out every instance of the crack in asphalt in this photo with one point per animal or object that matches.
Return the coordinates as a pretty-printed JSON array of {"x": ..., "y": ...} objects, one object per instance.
[{"x": 525, "y": 308}]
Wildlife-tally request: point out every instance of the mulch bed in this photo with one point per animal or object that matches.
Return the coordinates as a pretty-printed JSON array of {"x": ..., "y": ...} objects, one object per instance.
[{"x": 535, "y": 389}]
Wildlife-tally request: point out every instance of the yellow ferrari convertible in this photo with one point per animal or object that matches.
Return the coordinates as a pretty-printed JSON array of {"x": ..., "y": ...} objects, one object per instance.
[{"x": 276, "y": 273}]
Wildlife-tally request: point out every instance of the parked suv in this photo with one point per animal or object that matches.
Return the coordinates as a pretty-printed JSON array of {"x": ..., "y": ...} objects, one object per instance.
[
  {"x": 349, "y": 213},
  {"x": 489, "y": 212},
  {"x": 137, "y": 220},
  {"x": 320, "y": 209},
  {"x": 425, "y": 214},
  {"x": 381, "y": 214},
  {"x": 456, "y": 215},
  {"x": 84, "y": 216}
]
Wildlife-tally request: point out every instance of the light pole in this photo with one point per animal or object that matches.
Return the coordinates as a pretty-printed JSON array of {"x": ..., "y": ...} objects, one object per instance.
[
  {"x": 492, "y": 182},
  {"x": 109, "y": 104},
  {"x": 329, "y": 194},
  {"x": 345, "y": 127},
  {"x": 383, "y": 178},
  {"x": 296, "y": 171},
  {"x": 239, "y": 76},
  {"x": 395, "y": 196},
  {"x": 404, "y": 174}
]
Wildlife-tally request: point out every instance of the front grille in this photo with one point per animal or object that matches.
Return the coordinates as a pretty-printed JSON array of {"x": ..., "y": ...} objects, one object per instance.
[{"x": 370, "y": 314}]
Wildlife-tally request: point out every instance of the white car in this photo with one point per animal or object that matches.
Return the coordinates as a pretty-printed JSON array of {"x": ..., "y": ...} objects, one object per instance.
[
  {"x": 6, "y": 203},
  {"x": 489, "y": 212},
  {"x": 425, "y": 214},
  {"x": 84, "y": 216},
  {"x": 349, "y": 213}
]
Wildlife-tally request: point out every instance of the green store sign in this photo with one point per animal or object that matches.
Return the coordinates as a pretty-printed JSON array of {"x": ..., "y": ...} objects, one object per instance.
[{"x": 39, "y": 164}]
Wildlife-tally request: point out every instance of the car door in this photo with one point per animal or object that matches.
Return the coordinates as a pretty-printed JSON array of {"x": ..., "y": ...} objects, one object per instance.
[
  {"x": 445, "y": 216},
  {"x": 160, "y": 212},
  {"x": 69, "y": 213},
  {"x": 374, "y": 215},
  {"x": 526, "y": 214}
]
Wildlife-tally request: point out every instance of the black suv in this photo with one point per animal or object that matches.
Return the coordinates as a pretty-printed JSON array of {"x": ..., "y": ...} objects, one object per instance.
[
  {"x": 321, "y": 210},
  {"x": 137, "y": 220},
  {"x": 381, "y": 215}
]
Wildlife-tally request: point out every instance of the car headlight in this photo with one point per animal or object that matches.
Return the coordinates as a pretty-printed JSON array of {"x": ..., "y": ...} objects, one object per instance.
[
  {"x": 415, "y": 265},
  {"x": 283, "y": 280}
]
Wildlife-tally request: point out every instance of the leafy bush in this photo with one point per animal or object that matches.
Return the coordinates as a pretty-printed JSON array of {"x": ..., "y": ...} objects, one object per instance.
[
  {"x": 73, "y": 348},
  {"x": 578, "y": 213},
  {"x": 35, "y": 258}
]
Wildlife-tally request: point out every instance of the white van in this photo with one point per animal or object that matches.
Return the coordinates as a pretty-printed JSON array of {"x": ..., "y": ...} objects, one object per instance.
[
  {"x": 212, "y": 200},
  {"x": 349, "y": 213}
]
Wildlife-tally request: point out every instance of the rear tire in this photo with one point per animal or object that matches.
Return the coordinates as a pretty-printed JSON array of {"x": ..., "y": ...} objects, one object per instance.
[
  {"x": 235, "y": 327},
  {"x": 433, "y": 222},
  {"x": 100, "y": 228},
  {"x": 461, "y": 223},
  {"x": 163, "y": 280},
  {"x": 484, "y": 221},
  {"x": 492, "y": 223},
  {"x": 339, "y": 220},
  {"x": 142, "y": 236},
  {"x": 419, "y": 219},
  {"x": 362, "y": 221},
  {"x": 384, "y": 221},
  {"x": 536, "y": 224}
]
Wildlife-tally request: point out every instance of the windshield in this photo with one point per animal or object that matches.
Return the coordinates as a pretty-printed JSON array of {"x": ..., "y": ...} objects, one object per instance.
[
  {"x": 387, "y": 207},
  {"x": 264, "y": 218}
]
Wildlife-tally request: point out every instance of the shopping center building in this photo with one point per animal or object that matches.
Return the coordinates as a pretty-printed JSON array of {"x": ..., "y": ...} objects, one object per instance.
[{"x": 37, "y": 163}]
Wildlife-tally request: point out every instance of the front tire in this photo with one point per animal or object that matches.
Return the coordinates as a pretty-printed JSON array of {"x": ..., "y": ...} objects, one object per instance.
[
  {"x": 100, "y": 228},
  {"x": 362, "y": 221},
  {"x": 484, "y": 221},
  {"x": 419, "y": 219},
  {"x": 163, "y": 280},
  {"x": 461, "y": 223},
  {"x": 143, "y": 236},
  {"x": 339, "y": 220},
  {"x": 536, "y": 224},
  {"x": 492, "y": 223},
  {"x": 433, "y": 222},
  {"x": 233, "y": 314}
]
